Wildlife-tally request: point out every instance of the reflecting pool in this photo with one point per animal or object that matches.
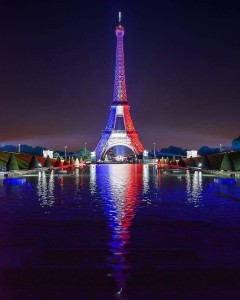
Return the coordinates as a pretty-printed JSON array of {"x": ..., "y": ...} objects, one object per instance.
[{"x": 119, "y": 232}]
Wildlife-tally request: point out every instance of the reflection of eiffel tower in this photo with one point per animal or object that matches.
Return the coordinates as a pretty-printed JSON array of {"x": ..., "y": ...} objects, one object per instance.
[
  {"x": 121, "y": 188},
  {"x": 119, "y": 129}
]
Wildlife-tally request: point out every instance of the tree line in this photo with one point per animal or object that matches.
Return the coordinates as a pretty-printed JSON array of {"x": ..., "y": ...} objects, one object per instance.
[{"x": 84, "y": 154}]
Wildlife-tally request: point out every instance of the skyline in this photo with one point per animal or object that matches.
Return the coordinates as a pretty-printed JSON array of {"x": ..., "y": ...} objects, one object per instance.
[{"x": 181, "y": 73}]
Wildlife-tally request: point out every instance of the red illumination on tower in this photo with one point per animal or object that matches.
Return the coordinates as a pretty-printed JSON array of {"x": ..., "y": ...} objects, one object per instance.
[{"x": 120, "y": 108}]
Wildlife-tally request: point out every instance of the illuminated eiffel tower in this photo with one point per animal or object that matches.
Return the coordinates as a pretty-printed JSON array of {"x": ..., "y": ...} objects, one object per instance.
[{"x": 119, "y": 129}]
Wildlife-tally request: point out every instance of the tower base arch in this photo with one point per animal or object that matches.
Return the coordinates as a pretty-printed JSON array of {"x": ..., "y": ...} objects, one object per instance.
[{"x": 118, "y": 138}]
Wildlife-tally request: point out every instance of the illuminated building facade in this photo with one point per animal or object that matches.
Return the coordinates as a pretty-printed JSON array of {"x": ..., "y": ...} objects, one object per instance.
[{"x": 119, "y": 129}]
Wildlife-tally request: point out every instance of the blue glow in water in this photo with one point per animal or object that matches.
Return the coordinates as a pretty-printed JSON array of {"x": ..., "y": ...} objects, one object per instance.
[
  {"x": 123, "y": 227},
  {"x": 225, "y": 180},
  {"x": 14, "y": 181}
]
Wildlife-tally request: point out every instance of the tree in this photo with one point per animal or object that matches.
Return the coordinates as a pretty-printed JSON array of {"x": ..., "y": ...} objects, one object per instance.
[
  {"x": 181, "y": 162},
  {"x": 77, "y": 162},
  {"x": 26, "y": 149},
  {"x": 205, "y": 163},
  {"x": 33, "y": 163},
  {"x": 58, "y": 162},
  {"x": 236, "y": 144},
  {"x": 56, "y": 154},
  {"x": 162, "y": 161},
  {"x": 83, "y": 154},
  {"x": 167, "y": 161},
  {"x": 191, "y": 162},
  {"x": 237, "y": 163},
  {"x": 12, "y": 164},
  {"x": 174, "y": 150},
  {"x": 227, "y": 164},
  {"x": 173, "y": 161},
  {"x": 38, "y": 150},
  {"x": 66, "y": 163},
  {"x": 10, "y": 148},
  {"x": 205, "y": 150},
  {"x": 72, "y": 160},
  {"x": 47, "y": 162}
]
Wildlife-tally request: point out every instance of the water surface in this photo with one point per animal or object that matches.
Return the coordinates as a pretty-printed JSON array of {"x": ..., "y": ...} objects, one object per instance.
[{"x": 119, "y": 231}]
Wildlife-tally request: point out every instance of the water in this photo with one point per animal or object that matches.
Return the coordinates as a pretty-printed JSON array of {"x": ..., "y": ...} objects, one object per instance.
[{"x": 119, "y": 232}]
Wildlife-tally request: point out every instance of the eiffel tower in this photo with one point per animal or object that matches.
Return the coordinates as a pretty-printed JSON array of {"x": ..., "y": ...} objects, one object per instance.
[{"x": 119, "y": 129}]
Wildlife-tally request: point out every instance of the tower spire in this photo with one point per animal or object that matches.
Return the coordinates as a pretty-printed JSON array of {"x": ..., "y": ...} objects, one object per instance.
[
  {"x": 119, "y": 17},
  {"x": 120, "y": 93}
]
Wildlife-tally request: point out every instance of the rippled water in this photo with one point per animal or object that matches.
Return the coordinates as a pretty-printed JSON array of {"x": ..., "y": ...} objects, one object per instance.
[{"x": 119, "y": 231}]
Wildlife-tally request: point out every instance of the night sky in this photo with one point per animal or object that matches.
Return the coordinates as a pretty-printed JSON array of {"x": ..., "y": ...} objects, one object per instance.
[{"x": 182, "y": 61}]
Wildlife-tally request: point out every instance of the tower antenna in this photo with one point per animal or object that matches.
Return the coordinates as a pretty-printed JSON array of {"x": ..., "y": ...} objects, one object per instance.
[{"x": 119, "y": 17}]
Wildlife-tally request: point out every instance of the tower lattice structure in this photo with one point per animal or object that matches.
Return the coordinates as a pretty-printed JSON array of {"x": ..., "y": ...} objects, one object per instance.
[{"x": 119, "y": 110}]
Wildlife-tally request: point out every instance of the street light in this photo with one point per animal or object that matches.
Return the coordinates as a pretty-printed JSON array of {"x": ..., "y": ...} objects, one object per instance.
[
  {"x": 154, "y": 153},
  {"x": 65, "y": 147}
]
